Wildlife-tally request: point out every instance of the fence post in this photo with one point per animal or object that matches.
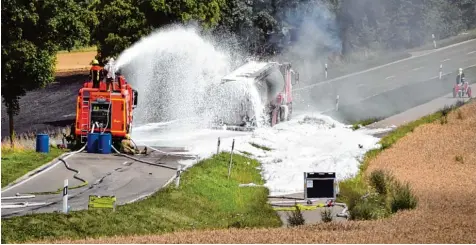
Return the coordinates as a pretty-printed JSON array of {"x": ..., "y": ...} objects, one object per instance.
[
  {"x": 441, "y": 70},
  {"x": 218, "y": 146},
  {"x": 231, "y": 158},
  {"x": 65, "y": 196}
]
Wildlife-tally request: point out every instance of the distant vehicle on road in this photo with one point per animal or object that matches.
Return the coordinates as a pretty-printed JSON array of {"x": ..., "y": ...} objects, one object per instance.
[{"x": 461, "y": 90}]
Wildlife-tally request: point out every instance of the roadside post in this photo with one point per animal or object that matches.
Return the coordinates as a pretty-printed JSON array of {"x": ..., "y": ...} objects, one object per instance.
[
  {"x": 179, "y": 172},
  {"x": 441, "y": 70},
  {"x": 231, "y": 158},
  {"x": 434, "y": 41},
  {"x": 65, "y": 196},
  {"x": 218, "y": 146},
  {"x": 326, "y": 70},
  {"x": 337, "y": 103}
]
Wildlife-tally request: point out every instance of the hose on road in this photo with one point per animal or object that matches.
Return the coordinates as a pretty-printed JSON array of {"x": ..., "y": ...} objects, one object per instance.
[
  {"x": 142, "y": 161},
  {"x": 77, "y": 172},
  {"x": 164, "y": 152}
]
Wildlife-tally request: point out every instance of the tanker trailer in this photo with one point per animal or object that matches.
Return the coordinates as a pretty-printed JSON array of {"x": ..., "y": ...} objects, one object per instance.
[{"x": 256, "y": 94}]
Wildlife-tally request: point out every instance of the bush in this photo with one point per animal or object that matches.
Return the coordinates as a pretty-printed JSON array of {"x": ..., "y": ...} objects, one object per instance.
[
  {"x": 402, "y": 197},
  {"x": 387, "y": 196},
  {"x": 326, "y": 215},
  {"x": 296, "y": 218},
  {"x": 380, "y": 181},
  {"x": 370, "y": 208}
]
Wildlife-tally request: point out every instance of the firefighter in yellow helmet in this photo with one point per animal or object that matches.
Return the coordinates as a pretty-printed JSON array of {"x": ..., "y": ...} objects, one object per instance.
[
  {"x": 96, "y": 73},
  {"x": 128, "y": 147}
]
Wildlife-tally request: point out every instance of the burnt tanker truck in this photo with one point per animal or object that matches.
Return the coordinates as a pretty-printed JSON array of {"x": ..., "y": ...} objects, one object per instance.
[{"x": 256, "y": 94}]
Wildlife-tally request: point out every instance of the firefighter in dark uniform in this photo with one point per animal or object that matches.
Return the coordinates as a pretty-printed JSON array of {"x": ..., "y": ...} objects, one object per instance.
[
  {"x": 96, "y": 73},
  {"x": 127, "y": 147}
]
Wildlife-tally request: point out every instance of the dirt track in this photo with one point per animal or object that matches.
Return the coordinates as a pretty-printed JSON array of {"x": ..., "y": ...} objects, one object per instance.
[
  {"x": 426, "y": 158},
  {"x": 78, "y": 61}
]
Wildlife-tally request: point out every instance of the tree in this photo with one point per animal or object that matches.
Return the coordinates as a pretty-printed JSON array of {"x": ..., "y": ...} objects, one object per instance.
[
  {"x": 32, "y": 33},
  {"x": 124, "y": 22}
]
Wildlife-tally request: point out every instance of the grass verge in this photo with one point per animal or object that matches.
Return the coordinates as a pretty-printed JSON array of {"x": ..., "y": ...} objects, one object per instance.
[
  {"x": 365, "y": 122},
  {"x": 206, "y": 198},
  {"x": 379, "y": 194},
  {"x": 16, "y": 163},
  {"x": 262, "y": 147}
]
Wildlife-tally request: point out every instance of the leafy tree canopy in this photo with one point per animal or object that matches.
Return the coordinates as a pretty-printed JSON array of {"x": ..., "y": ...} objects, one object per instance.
[{"x": 32, "y": 33}]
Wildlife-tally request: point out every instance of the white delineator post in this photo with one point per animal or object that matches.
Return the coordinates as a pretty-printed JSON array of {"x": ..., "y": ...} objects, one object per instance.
[
  {"x": 65, "y": 196},
  {"x": 434, "y": 41},
  {"x": 231, "y": 158},
  {"x": 326, "y": 70},
  {"x": 441, "y": 70},
  {"x": 337, "y": 103},
  {"x": 218, "y": 146},
  {"x": 179, "y": 172}
]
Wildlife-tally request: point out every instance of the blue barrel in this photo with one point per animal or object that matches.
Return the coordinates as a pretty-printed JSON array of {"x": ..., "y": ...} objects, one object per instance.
[
  {"x": 105, "y": 141},
  {"x": 92, "y": 146},
  {"x": 42, "y": 143}
]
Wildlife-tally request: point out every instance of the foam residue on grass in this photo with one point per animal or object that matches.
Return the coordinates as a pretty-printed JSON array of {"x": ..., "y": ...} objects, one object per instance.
[{"x": 307, "y": 143}]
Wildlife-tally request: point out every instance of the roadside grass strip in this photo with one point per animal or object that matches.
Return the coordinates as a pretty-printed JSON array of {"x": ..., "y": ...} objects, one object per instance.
[
  {"x": 16, "y": 163},
  {"x": 378, "y": 194},
  {"x": 206, "y": 198}
]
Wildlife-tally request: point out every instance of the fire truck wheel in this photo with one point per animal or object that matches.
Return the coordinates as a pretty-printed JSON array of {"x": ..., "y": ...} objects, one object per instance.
[
  {"x": 284, "y": 112},
  {"x": 290, "y": 112}
]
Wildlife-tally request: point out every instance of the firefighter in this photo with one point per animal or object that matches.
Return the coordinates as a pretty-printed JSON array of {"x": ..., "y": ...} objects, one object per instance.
[
  {"x": 460, "y": 77},
  {"x": 110, "y": 74},
  {"x": 96, "y": 73},
  {"x": 128, "y": 147}
]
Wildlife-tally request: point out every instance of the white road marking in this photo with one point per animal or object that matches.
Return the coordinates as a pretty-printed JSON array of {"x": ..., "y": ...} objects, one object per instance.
[
  {"x": 389, "y": 77},
  {"x": 378, "y": 67},
  {"x": 472, "y": 52},
  {"x": 445, "y": 60},
  {"x": 418, "y": 68}
]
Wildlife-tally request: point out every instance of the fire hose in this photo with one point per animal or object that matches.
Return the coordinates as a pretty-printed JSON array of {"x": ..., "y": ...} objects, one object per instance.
[
  {"x": 330, "y": 203},
  {"x": 32, "y": 195},
  {"x": 142, "y": 161}
]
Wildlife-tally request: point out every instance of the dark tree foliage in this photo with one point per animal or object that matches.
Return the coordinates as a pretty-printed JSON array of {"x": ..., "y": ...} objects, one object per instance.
[
  {"x": 32, "y": 33},
  {"x": 123, "y": 22}
]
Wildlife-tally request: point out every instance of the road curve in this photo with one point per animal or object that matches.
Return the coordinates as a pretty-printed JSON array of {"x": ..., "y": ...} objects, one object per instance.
[{"x": 359, "y": 92}]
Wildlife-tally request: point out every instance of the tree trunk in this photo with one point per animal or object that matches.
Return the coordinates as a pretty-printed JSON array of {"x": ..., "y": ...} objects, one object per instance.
[{"x": 12, "y": 131}]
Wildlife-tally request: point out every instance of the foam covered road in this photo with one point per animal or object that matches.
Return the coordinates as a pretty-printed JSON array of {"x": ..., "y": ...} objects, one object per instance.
[
  {"x": 107, "y": 175},
  {"x": 389, "y": 89}
]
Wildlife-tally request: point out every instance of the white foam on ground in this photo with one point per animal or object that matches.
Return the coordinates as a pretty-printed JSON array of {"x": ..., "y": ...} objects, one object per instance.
[{"x": 308, "y": 143}]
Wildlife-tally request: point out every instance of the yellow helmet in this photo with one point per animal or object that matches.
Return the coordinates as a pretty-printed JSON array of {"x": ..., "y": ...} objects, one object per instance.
[
  {"x": 95, "y": 62},
  {"x": 128, "y": 136}
]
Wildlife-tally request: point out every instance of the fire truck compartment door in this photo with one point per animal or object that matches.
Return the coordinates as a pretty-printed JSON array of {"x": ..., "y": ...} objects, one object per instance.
[{"x": 118, "y": 115}]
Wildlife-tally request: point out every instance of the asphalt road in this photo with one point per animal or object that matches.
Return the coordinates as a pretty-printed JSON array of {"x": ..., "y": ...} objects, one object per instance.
[
  {"x": 379, "y": 92},
  {"x": 420, "y": 111},
  {"x": 107, "y": 175},
  {"x": 389, "y": 89}
]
